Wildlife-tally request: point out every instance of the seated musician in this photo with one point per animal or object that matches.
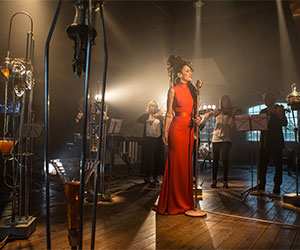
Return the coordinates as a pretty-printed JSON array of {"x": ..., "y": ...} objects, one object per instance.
[
  {"x": 152, "y": 148},
  {"x": 271, "y": 143}
]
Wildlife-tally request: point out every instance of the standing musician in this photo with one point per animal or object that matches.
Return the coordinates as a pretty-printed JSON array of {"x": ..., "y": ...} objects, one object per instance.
[
  {"x": 222, "y": 138},
  {"x": 152, "y": 147},
  {"x": 271, "y": 143},
  {"x": 176, "y": 194}
]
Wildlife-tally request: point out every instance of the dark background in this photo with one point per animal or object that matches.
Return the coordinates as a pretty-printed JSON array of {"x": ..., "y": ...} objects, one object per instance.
[{"x": 239, "y": 48}]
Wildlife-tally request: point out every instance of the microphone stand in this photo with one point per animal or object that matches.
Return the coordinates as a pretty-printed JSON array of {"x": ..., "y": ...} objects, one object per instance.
[
  {"x": 196, "y": 212},
  {"x": 46, "y": 120},
  {"x": 84, "y": 129},
  {"x": 101, "y": 153}
]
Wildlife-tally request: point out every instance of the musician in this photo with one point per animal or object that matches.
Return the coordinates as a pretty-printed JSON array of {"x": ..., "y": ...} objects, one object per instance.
[
  {"x": 271, "y": 143},
  {"x": 222, "y": 139},
  {"x": 176, "y": 194},
  {"x": 152, "y": 148}
]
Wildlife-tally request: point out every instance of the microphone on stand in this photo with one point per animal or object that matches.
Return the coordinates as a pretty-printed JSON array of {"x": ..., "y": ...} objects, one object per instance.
[{"x": 80, "y": 31}]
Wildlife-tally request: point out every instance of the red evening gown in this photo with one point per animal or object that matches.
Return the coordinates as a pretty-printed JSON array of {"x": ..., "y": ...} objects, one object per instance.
[{"x": 176, "y": 194}]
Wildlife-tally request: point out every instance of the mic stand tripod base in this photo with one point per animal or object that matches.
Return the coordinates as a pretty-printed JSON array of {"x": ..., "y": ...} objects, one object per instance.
[
  {"x": 196, "y": 212},
  {"x": 292, "y": 198},
  {"x": 22, "y": 228}
]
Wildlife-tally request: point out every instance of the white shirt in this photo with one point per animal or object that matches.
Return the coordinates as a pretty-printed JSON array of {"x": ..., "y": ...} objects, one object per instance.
[
  {"x": 223, "y": 128},
  {"x": 153, "y": 127}
]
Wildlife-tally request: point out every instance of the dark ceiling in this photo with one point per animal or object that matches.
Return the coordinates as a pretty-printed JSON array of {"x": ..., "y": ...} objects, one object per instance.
[{"x": 237, "y": 47}]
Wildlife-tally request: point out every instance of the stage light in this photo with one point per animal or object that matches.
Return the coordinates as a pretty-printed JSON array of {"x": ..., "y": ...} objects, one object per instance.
[
  {"x": 198, "y": 29},
  {"x": 58, "y": 162},
  {"x": 56, "y": 167},
  {"x": 288, "y": 65},
  {"x": 98, "y": 97},
  {"x": 117, "y": 94},
  {"x": 52, "y": 170},
  {"x": 199, "y": 3},
  {"x": 213, "y": 107},
  {"x": 162, "y": 100}
]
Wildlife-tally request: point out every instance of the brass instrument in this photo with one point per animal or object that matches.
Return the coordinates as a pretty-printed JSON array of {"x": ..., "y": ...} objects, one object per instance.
[
  {"x": 293, "y": 99},
  {"x": 16, "y": 145},
  {"x": 20, "y": 70}
]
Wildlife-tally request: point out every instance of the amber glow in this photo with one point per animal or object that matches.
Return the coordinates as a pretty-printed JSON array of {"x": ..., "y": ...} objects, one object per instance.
[
  {"x": 5, "y": 72},
  {"x": 6, "y": 146}
]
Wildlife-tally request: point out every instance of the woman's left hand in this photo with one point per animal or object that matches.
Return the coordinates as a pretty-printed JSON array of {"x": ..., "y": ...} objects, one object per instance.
[
  {"x": 198, "y": 120},
  {"x": 199, "y": 84}
]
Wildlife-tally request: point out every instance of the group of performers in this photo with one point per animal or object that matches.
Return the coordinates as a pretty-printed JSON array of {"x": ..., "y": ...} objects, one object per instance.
[{"x": 176, "y": 131}]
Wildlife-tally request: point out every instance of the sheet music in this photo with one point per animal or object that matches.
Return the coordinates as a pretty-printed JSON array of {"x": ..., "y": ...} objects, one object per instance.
[
  {"x": 259, "y": 122},
  {"x": 115, "y": 126},
  {"x": 251, "y": 122},
  {"x": 242, "y": 122}
]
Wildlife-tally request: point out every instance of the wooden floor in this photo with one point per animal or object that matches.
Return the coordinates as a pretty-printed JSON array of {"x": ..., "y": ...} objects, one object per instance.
[
  {"x": 229, "y": 201},
  {"x": 130, "y": 223}
]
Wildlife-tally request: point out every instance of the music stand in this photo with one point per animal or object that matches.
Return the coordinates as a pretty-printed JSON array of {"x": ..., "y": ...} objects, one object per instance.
[
  {"x": 113, "y": 129},
  {"x": 249, "y": 123},
  {"x": 115, "y": 126}
]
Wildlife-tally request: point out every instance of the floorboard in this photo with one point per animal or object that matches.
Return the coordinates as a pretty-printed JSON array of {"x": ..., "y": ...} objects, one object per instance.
[{"x": 130, "y": 223}]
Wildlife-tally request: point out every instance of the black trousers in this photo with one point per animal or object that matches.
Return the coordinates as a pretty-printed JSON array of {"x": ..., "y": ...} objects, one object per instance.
[
  {"x": 265, "y": 155},
  {"x": 152, "y": 156},
  {"x": 220, "y": 149}
]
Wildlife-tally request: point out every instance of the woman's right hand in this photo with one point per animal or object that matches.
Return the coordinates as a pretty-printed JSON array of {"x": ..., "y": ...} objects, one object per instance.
[{"x": 165, "y": 138}]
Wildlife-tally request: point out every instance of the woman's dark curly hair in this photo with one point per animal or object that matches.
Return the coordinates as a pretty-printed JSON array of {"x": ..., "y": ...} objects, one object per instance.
[{"x": 175, "y": 65}]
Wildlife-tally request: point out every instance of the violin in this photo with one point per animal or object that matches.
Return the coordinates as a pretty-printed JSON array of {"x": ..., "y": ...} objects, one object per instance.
[{"x": 226, "y": 111}]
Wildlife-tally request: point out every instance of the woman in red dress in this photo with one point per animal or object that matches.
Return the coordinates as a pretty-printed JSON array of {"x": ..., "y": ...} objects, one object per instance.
[{"x": 176, "y": 195}]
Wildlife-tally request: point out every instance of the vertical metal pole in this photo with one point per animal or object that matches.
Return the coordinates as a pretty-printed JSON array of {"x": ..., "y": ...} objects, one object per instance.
[
  {"x": 27, "y": 154},
  {"x": 84, "y": 130},
  {"x": 103, "y": 158},
  {"x": 28, "y": 142},
  {"x": 20, "y": 157},
  {"x": 14, "y": 178},
  {"x": 46, "y": 120},
  {"x": 297, "y": 164},
  {"x": 32, "y": 51},
  {"x": 252, "y": 160},
  {"x": 84, "y": 139},
  {"x": 297, "y": 178},
  {"x": 96, "y": 185},
  {"x": 5, "y": 108},
  {"x": 195, "y": 152},
  {"x": 28, "y": 45}
]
